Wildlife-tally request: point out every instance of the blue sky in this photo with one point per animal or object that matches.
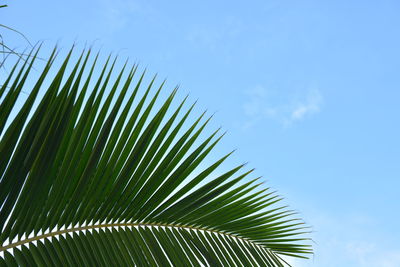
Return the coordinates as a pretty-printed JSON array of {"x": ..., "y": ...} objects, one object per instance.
[{"x": 307, "y": 90}]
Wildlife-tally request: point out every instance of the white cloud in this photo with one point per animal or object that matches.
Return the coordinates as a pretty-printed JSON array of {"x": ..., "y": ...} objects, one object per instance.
[
  {"x": 117, "y": 13},
  {"x": 215, "y": 36},
  {"x": 311, "y": 105},
  {"x": 261, "y": 104},
  {"x": 295, "y": 262},
  {"x": 349, "y": 239},
  {"x": 370, "y": 255},
  {"x": 359, "y": 251},
  {"x": 389, "y": 259}
]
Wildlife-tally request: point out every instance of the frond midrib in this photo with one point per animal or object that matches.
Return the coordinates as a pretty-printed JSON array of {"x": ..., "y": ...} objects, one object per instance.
[{"x": 120, "y": 225}]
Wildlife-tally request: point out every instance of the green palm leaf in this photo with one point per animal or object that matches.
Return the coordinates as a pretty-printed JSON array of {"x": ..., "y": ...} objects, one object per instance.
[{"x": 94, "y": 172}]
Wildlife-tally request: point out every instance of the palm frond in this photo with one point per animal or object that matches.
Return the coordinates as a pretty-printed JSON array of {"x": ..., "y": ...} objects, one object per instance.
[{"x": 95, "y": 172}]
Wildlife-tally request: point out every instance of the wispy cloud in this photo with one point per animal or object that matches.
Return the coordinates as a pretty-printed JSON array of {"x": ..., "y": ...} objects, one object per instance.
[
  {"x": 369, "y": 255},
  {"x": 348, "y": 239},
  {"x": 215, "y": 36},
  {"x": 117, "y": 13},
  {"x": 295, "y": 261},
  {"x": 310, "y": 106},
  {"x": 261, "y": 104}
]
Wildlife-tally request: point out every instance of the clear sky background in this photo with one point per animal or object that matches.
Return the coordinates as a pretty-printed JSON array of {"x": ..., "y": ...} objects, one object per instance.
[{"x": 309, "y": 92}]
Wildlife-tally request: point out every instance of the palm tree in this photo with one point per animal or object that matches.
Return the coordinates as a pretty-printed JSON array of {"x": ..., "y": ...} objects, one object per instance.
[{"x": 94, "y": 172}]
